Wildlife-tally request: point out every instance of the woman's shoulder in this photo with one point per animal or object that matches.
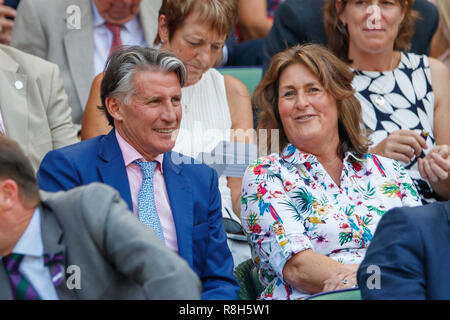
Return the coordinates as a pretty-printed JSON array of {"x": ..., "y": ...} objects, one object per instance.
[
  {"x": 412, "y": 61},
  {"x": 261, "y": 164},
  {"x": 437, "y": 67}
]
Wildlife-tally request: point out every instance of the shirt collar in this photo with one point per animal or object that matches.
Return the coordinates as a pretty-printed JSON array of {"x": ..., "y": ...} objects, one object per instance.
[
  {"x": 294, "y": 156},
  {"x": 131, "y": 26},
  {"x": 30, "y": 243},
  {"x": 130, "y": 154}
]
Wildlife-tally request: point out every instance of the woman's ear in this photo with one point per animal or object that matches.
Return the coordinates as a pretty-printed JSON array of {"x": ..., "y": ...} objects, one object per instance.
[
  {"x": 404, "y": 9},
  {"x": 163, "y": 28},
  {"x": 340, "y": 12}
]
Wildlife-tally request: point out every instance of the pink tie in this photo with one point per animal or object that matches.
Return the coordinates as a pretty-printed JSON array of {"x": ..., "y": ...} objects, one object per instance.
[{"x": 115, "y": 30}]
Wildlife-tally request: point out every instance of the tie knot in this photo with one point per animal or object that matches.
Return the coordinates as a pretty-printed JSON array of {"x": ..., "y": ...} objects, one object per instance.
[
  {"x": 113, "y": 27},
  {"x": 148, "y": 168},
  {"x": 12, "y": 262}
]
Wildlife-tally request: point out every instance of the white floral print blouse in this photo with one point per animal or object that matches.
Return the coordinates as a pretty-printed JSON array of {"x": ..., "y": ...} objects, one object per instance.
[{"x": 290, "y": 204}]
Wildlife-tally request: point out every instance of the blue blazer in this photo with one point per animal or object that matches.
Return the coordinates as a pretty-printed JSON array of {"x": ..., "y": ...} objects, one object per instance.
[
  {"x": 193, "y": 194},
  {"x": 411, "y": 246}
]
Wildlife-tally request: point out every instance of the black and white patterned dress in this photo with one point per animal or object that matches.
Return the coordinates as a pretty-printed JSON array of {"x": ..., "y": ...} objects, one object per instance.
[{"x": 402, "y": 98}]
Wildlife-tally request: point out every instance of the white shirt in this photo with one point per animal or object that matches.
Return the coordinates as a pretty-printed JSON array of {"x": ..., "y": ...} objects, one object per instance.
[
  {"x": 131, "y": 34},
  {"x": 32, "y": 266}
]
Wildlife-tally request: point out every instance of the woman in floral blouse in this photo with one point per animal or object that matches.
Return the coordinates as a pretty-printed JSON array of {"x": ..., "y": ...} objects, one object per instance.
[{"x": 311, "y": 211}]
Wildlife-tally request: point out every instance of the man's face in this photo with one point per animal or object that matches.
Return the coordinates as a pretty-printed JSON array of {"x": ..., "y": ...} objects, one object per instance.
[
  {"x": 150, "y": 120},
  {"x": 9, "y": 195},
  {"x": 118, "y": 11}
]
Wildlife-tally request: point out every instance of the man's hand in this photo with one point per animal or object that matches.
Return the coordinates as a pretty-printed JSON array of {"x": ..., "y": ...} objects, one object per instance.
[{"x": 6, "y": 24}]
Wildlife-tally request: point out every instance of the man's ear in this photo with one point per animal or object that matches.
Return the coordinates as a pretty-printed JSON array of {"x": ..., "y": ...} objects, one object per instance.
[
  {"x": 113, "y": 105},
  {"x": 9, "y": 193}
]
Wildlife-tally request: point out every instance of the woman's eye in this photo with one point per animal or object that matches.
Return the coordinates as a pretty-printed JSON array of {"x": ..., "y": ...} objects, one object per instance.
[{"x": 289, "y": 93}]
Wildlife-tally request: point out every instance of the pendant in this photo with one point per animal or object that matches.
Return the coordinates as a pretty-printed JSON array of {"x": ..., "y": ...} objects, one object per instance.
[{"x": 379, "y": 100}]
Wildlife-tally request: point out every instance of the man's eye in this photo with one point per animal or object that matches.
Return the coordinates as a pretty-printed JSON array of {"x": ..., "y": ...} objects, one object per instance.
[
  {"x": 176, "y": 100},
  {"x": 152, "y": 101}
]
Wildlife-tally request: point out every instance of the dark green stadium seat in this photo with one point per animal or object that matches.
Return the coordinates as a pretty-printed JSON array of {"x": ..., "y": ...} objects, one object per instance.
[
  {"x": 247, "y": 277},
  {"x": 346, "y": 294},
  {"x": 250, "y": 76}
]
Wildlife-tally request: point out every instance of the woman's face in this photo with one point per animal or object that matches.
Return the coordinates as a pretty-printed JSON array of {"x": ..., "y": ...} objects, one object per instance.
[
  {"x": 195, "y": 43},
  {"x": 308, "y": 113},
  {"x": 373, "y": 25}
]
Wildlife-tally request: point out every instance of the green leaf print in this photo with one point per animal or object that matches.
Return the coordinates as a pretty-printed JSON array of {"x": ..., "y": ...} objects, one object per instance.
[
  {"x": 304, "y": 199},
  {"x": 345, "y": 237},
  {"x": 376, "y": 210},
  {"x": 367, "y": 193}
]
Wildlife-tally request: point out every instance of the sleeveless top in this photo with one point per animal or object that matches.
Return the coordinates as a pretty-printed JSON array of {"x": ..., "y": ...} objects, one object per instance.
[
  {"x": 205, "y": 122},
  {"x": 402, "y": 98}
]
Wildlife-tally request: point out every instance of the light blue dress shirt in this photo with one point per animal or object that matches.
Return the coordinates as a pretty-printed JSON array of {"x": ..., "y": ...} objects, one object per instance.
[
  {"x": 130, "y": 34},
  {"x": 32, "y": 266}
]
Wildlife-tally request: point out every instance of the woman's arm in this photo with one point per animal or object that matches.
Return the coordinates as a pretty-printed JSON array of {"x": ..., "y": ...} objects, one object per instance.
[
  {"x": 253, "y": 20},
  {"x": 439, "y": 43},
  {"x": 242, "y": 128},
  {"x": 435, "y": 166},
  {"x": 94, "y": 122},
  {"x": 312, "y": 272}
]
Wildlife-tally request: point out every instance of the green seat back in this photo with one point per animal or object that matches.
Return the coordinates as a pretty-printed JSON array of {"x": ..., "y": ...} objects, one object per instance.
[
  {"x": 247, "y": 277},
  {"x": 348, "y": 294},
  {"x": 250, "y": 76}
]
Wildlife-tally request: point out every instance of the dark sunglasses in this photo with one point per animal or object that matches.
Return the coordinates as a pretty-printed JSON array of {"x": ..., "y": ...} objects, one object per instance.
[{"x": 233, "y": 228}]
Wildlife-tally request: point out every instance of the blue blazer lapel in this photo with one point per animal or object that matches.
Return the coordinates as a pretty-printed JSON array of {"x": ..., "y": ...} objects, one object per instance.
[
  {"x": 182, "y": 206},
  {"x": 112, "y": 168}
]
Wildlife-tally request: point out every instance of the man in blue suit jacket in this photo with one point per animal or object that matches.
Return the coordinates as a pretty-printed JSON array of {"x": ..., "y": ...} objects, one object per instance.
[
  {"x": 411, "y": 248},
  {"x": 144, "y": 113}
]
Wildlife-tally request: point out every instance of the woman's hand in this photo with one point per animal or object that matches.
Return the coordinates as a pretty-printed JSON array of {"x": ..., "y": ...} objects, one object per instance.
[
  {"x": 435, "y": 166},
  {"x": 401, "y": 145},
  {"x": 342, "y": 279}
]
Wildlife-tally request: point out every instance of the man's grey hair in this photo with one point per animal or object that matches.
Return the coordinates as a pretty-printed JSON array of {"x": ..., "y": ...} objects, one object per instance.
[{"x": 123, "y": 65}]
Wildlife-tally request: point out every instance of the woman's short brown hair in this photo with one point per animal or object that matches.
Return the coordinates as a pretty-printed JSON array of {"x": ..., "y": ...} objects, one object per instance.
[
  {"x": 222, "y": 15},
  {"x": 335, "y": 77},
  {"x": 338, "y": 37}
]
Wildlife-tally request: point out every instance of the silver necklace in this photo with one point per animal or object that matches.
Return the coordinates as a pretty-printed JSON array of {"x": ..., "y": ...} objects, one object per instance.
[{"x": 379, "y": 99}]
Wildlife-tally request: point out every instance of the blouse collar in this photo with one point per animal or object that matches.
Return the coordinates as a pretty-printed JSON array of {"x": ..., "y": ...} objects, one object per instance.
[{"x": 291, "y": 154}]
